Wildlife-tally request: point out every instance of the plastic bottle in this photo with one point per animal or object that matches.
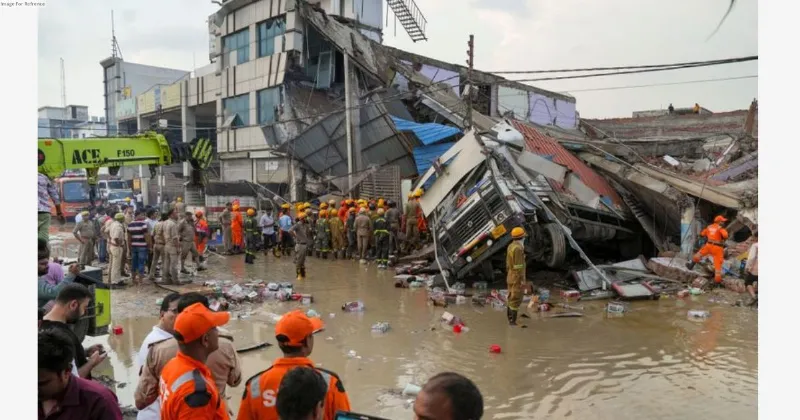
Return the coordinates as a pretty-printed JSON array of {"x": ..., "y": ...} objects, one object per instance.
[
  {"x": 697, "y": 314},
  {"x": 381, "y": 327},
  {"x": 354, "y": 306},
  {"x": 544, "y": 294}
]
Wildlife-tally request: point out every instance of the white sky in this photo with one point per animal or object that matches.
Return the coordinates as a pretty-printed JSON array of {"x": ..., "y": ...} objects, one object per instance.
[{"x": 509, "y": 35}]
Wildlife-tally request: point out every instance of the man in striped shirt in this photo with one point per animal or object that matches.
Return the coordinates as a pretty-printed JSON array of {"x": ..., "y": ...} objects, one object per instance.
[{"x": 139, "y": 241}]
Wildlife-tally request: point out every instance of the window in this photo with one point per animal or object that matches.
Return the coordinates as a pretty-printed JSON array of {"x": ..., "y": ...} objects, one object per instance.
[
  {"x": 267, "y": 32},
  {"x": 239, "y": 42},
  {"x": 268, "y": 99},
  {"x": 238, "y": 106},
  {"x": 75, "y": 191}
]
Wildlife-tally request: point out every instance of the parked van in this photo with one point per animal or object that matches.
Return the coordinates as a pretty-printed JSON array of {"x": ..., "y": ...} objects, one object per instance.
[
  {"x": 74, "y": 193},
  {"x": 105, "y": 185}
]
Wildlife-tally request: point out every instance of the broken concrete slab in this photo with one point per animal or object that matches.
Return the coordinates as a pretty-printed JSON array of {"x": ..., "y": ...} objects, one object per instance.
[{"x": 672, "y": 268}]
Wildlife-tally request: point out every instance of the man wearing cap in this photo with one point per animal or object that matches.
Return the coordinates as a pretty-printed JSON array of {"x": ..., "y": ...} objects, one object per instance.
[
  {"x": 716, "y": 235},
  {"x": 302, "y": 237},
  {"x": 223, "y": 363},
  {"x": 295, "y": 335},
  {"x": 251, "y": 235},
  {"x": 186, "y": 234},
  {"x": 85, "y": 234},
  {"x": 225, "y": 220},
  {"x": 187, "y": 389},
  {"x": 116, "y": 247},
  {"x": 412, "y": 229},
  {"x": 172, "y": 247}
]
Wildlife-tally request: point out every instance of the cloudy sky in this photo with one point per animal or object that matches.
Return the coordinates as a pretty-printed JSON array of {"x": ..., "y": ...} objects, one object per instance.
[{"x": 509, "y": 35}]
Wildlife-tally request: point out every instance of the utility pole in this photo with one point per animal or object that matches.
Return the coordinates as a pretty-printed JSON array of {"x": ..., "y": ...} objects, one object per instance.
[
  {"x": 348, "y": 103},
  {"x": 468, "y": 90},
  {"x": 63, "y": 99}
]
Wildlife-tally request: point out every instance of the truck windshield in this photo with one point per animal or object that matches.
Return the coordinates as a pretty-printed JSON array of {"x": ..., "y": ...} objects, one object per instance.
[
  {"x": 116, "y": 185},
  {"x": 119, "y": 195},
  {"x": 75, "y": 191}
]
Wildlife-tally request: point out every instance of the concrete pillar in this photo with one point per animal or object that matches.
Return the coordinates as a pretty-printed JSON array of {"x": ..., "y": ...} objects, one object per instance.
[
  {"x": 688, "y": 236},
  {"x": 142, "y": 125},
  {"x": 188, "y": 129}
]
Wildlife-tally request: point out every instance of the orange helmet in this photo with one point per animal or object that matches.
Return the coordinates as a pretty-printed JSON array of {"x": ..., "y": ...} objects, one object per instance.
[
  {"x": 199, "y": 213},
  {"x": 332, "y": 215},
  {"x": 352, "y": 210},
  {"x": 323, "y": 213},
  {"x": 518, "y": 232},
  {"x": 251, "y": 212},
  {"x": 323, "y": 206},
  {"x": 301, "y": 215},
  {"x": 720, "y": 219}
]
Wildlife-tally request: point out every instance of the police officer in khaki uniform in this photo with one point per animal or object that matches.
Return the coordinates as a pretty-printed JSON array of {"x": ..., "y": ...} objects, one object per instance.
[
  {"x": 172, "y": 249},
  {"x": 515, "y": 266},
  {"x": 186, "y": 233},
  {"x": 158, "y": 248},
  {"x": 84, "y": 232},
  {"x": 412, "y": 230},
  {"x": 225, "y": 220},
  {"x": 302, "y": 237}
]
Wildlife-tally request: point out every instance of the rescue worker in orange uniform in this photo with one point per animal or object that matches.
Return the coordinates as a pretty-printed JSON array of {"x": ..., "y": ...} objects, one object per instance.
[
  {"x": 715, "y": 246},
  {"x": 186, "y": 387},
  {"x": 201, "y": 237},
  {"x": 237, "y": 233},
  {"x": 295, "y": 335}
]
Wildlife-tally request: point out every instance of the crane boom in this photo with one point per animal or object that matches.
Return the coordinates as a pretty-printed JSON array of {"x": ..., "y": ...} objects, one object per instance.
[{"x": 91, "y": 154}]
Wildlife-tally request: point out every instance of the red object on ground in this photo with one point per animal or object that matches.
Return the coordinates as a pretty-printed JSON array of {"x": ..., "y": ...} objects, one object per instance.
[
  {"x": 457, "y": 328},
  {"x": 494, "y": 348},
  {"x": 117, "y": 330}
]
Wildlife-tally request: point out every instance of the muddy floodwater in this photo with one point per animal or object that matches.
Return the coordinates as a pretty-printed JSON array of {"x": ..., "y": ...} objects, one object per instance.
[{"x": 651, "y": 362}]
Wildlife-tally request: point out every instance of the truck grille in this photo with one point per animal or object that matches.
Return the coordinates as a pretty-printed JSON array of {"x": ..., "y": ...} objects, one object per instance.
[{"x": 475, "y": 218}]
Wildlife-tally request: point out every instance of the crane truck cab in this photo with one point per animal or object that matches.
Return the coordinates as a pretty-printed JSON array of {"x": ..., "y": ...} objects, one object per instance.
[{"x": 74, "y": 193}]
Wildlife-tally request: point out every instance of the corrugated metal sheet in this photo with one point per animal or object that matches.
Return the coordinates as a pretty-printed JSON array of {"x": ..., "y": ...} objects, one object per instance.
[
  {"x": 427, "y": 133},
  {"x": 536, "y": 142},
  {"x": 425, "y": 155},
  {"x": 323, "y": 147}
]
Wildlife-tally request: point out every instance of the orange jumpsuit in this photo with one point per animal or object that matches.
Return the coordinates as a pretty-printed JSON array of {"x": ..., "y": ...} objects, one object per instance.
[
  {"x": 716, "y": 235},
  {"x": 422, "y": 225},
  {"x": 343, "y": 213},
  {"x": 237, "y": 224},
  {"x": 201, "y": 235}
]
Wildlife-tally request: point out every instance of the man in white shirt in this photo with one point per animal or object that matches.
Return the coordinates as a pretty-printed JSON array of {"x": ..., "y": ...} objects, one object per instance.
[
  {"x": 751, "y": 270},
  {"x": 161, "y": 332},
  {"x": 267, "y": 224}
]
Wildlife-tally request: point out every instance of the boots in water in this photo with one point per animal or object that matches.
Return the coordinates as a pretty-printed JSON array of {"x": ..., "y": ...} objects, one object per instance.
[
  {"x": 513, "y": 320},
  {"x": 302, "y": 273},
  {"x": 299, "y": 276},
  {"x": 690, "y": 265}
]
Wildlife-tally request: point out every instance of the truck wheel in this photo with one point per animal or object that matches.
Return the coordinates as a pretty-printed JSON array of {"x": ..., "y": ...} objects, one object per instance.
[{"x": 557, "y": 252}]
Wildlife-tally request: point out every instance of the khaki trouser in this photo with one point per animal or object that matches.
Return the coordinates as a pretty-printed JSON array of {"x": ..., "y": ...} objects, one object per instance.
[
  {"x": 514, "y": 283},
  {"x": 86, "y": 253},
  {"x": 44, "y": 226},
  {"x": 300, "y": 251},
  {"x": 115, "y": 268},
  {"x": 363, "y": 246},
  {"x": 227, "y": 239},
  {"x": 169, "y": 270},
  {"x": 412, "y": 234},
  {"x": 186, "y": 249},
  {"x": 158, "y": 254}
]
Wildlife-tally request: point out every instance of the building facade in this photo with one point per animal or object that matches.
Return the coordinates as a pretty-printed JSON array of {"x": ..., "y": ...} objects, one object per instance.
[
  {"x": 72, "y": 121},
  {"x": 122, "y": 81}
]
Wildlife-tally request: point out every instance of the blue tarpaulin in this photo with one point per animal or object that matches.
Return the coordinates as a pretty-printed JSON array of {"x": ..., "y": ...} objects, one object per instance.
[
  {"x": 428, "y": 133},
  {"x": 425, "y": 155}
]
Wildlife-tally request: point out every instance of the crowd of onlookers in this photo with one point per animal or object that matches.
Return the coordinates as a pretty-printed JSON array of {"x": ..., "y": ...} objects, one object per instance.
[{"x": 188, "y": 360}]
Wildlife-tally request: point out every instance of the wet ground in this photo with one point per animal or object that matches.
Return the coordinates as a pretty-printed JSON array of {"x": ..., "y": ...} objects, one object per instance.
[{"x": 651, "y": 360}]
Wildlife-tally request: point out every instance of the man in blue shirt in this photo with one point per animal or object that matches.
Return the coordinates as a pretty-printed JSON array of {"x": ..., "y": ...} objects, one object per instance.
[
  {"x": 285, "y": 223},
  {"x": 267, "y": 224}
]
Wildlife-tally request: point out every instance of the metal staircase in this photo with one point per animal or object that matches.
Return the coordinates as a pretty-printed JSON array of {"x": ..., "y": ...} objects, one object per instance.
[
  {"x": 410, "y": 17},
  {"x": 642, "y": 216}
]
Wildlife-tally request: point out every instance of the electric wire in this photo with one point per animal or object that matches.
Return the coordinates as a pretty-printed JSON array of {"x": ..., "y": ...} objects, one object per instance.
[{"x": 645, "y": 66}]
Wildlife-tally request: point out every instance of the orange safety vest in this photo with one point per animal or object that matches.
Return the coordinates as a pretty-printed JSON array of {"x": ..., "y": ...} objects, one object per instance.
[
  {"x": 187, "y": 391},
  {"x": 715, "y": 234},
  {"x": 261, "y": 392}
]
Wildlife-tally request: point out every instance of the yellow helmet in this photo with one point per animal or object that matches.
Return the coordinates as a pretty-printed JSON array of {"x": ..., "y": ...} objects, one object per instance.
[
  {"x": 285, "y": 206},
  {"x": 128, "y": 199},
  {"x": 180, "y": 199},
  {"x": 306, "y": 205},
  {"x": 518, "y": 232},
  {"x": 332, "y": 202},
  {"x": 349, "y": 201},
  {"x": 410, "y": 195},
  {"x": 251, "y": 212},
  {"x": 418, "y": 193},
  {"x": 380, "y": 211},
  {"x": 323, "y": 206},
  {"x": 332, "y": 215},
  {"x": 323, "y": 213},
  {"x": 301, "y": 215}
]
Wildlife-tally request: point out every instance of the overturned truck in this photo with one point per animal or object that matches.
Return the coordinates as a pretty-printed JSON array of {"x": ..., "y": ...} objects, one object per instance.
[{"x": 487, "y": 184}]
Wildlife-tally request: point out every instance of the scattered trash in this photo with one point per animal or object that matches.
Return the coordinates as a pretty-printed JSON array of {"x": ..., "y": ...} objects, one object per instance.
[
  {"x": 457, "y": 328},
  {"x": 683, "y": 293},
  {"x": 695, "y": 291},
  {"x": 565, "y": 315},
  {"x": 480, "y": 285},
  {"x": 494, "y": 348},
  {"x": 328, "y": 338},
  {"x": 416, "y": 284},
  {"x": 544, "y": 307},
  {"x": 353, "y": 355},
  {"x": 117, "y": 330},
  {"x": 411, "y": 389},
  {"x": 544, "y": 294},
  {"x": 571, "y": 307},
  {"x": 616, "y": 307},
  {"x": 381, "y": 327},
  {"x": 331, "y": 315},
  {"x": 312, "y": 314},
  {"x": 460, "y": 300},
  {"x": 355, "y": 306},
  {"x": 451, "y": 319},
  {"x": 697, "y": 314},
  {"x": 569, "y": 294},
  {"x": 159, "y": 301}
]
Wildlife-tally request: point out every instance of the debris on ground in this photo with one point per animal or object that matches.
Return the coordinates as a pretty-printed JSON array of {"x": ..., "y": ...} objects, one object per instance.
[
  {"x": 381, "y": 327},
  {"x": 354, "y": 306}
]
